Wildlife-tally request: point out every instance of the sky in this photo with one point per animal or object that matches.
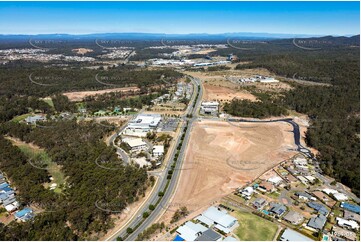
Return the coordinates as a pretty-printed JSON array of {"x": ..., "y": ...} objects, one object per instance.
[{"x": 315, "y": 18}]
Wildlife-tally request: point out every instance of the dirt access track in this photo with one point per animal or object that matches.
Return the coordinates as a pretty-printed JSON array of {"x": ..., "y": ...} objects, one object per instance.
[
  {"x": 78, "y": 96},
  {"x": 222, "y": 156}
]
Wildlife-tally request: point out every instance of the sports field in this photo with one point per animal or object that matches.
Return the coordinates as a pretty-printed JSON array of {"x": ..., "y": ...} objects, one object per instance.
[{"x": 253, "y": 228}]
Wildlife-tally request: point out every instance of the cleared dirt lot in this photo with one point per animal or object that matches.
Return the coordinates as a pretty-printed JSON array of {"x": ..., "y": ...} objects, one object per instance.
[
  {"x": 212, "y": 92},
  {"x": 222, "y": 157},
  {"x": 78, "y": 96}
]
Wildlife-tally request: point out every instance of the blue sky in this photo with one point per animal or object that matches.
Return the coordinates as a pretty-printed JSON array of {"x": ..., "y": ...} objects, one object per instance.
[{"x": 319, "y": 18}]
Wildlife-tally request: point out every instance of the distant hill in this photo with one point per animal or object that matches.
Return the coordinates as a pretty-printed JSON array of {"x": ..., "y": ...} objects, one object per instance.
[{"x": 154, "y": 36}]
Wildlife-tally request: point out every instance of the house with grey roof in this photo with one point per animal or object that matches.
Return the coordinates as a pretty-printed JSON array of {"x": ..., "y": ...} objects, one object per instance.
[
  {"x": 277, "y": 209},
  {"x": 293, "y": 217},
  {"x": 320, "y": 208},
  {"x": 291, "y": 235},
  {"x": 209, "y": 235},
  {"x": 34, "y": 119},
  {"x": 348, "y": 215},
  {"x": 318, "y": 222},
  {"x": 259, "y": 203}
]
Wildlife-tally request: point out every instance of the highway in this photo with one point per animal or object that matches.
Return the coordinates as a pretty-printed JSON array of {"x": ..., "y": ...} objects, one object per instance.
[{"x": 162, "y": 176}]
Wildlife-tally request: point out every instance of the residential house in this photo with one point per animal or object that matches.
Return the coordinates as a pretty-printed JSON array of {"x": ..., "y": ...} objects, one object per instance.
[
  {"x": 351, "y": 207},
  {"x": 266, "y": 186},
  {"x": 24, "y": 214},
  {"x": 320, "y": 208},
  {"x": 276, "y": 180},
  {"x": 324, "y": 198},
  {"x": 277, "y": 209},
  {"x": 317, "y": 223},
  {"x": 259, "y": 203},
  {"x": 305, "y": 196},
  {"x": 247, "y": 193},
  {"x": 349, "y": 224},
  {"x": 342, "y": 233},
  {"x": 293, "y": 217},
  {"x": 351, "y": 216}
]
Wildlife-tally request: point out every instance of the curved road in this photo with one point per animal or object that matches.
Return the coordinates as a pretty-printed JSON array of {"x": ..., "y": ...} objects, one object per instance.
[{"x": 296, "y": 131}]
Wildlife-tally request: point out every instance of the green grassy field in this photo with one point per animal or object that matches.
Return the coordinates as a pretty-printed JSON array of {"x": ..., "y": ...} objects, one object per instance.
[
  {"x": 49, "y": 101},
  {"x": 41, "y": 159},
  {"x": 253, "y": 228}
]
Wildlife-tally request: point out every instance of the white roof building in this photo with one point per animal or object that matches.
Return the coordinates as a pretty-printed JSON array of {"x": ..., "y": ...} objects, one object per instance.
[
  {"x": 220, "y": 218},
  {"x": 136, "y": 144},
  {"x": 210, "y": 103},
  {"x": 301, "y": 161},
  {"x": 145, "y": 122},
  {"x": 275, "y": 180},
  {"x": 338, "y": 196},
  {"x": 247, "y": 192},
  {"x": 310, "y": 178},
  {"x": 158, "y": 150},
  {"x": 347, "y": 223},
  {"x": 190, "y": 231}
]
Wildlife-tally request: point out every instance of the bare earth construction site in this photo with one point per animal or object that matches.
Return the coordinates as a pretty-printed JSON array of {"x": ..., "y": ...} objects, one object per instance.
[{"x": 223, "y": 156}]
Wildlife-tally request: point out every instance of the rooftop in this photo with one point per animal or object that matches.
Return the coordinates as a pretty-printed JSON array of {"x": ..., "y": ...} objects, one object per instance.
[
  {"x": 209, "y": 235},
  {"x": 291, "y": 235},
  {"x": 220, "y": 217},
  {"x": 317, "y": 222}
]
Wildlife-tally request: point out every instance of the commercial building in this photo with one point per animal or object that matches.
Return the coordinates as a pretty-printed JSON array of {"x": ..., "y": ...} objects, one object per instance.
[
  {"x": 136, "y": 144},
  {"x": 209, "y": 235},
  {"x": 219, "y": 218},
  {"x": 144, "y": 122},
  {"x": 190, "y": 231},
  {"x": 209, "y": 108},
  {"x": 291, "y": 235},
  {"x": 158, "y": 150}
]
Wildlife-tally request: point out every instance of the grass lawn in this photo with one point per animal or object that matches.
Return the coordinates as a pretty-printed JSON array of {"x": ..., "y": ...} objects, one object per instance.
[
  {"x": 49, "y": 101},
  {"x": 21, "y": 117},
  {"x": 253, "y": 228},
  {"x": 41, "y": 159}
]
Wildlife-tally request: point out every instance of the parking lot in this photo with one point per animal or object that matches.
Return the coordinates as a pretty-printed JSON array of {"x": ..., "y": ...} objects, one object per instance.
[{"x": 169, "y": 125}]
